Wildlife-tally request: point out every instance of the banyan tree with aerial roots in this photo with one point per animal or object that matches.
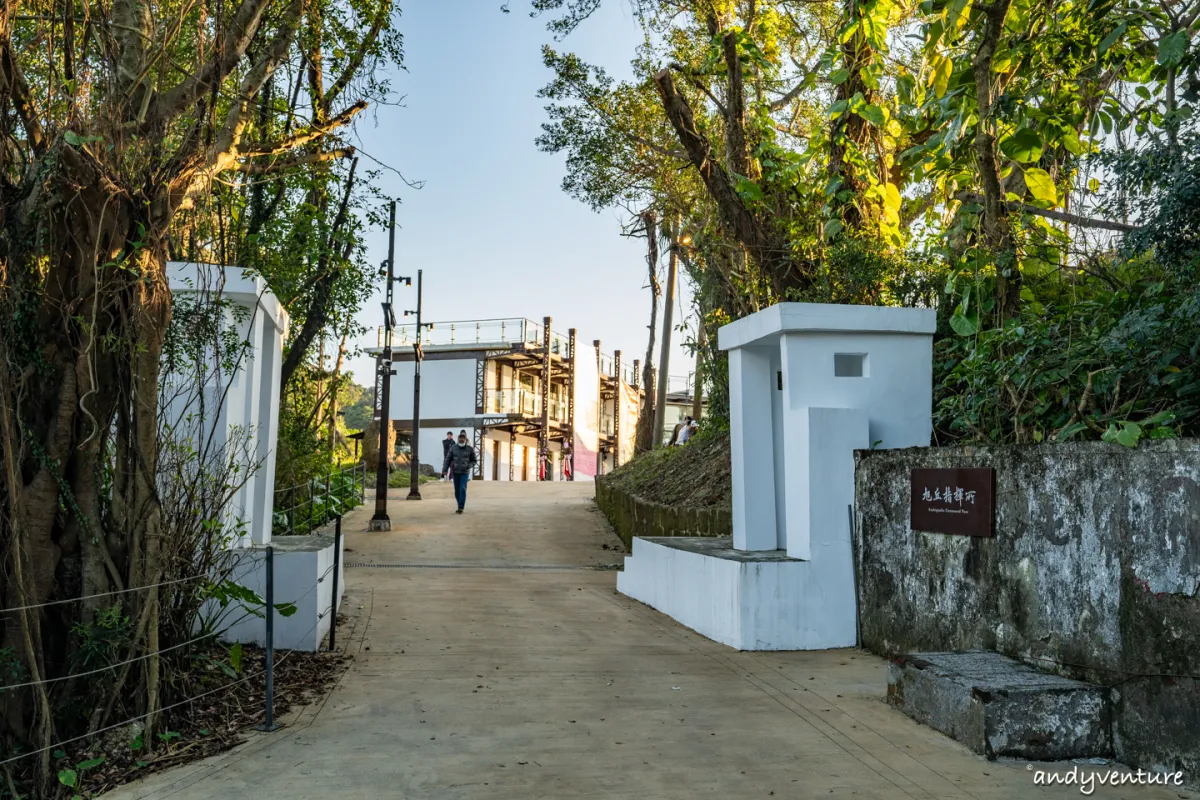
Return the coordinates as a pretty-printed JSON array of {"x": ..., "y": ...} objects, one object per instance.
[{"x": 119, "y": 122}]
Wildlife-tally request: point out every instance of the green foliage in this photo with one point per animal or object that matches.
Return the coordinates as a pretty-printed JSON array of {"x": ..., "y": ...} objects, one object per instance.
[
  {"x": 302, "y": 508},
  {"x": 1093, "y": 360},
  {"x": 1158, "y": 185},
  {"x": 102, "y": 641}
]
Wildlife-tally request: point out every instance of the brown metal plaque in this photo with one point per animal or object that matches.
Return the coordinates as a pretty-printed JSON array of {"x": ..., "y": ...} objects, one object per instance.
[{"x": 955, "y": 501}]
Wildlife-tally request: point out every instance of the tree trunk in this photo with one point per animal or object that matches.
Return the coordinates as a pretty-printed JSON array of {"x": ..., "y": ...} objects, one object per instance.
[
  {"x": 644, "y": 439},
  {"x": 997, "y": 231},
  {"x": 766, "y": 246},
  {"x": 851, "y": 130},
  {"x": 697, "y": 395},
  {"x": 664, "y": 359}
]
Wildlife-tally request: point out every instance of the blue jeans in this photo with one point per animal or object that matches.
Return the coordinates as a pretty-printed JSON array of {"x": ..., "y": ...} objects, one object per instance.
[{"x": 460, "y": 488}]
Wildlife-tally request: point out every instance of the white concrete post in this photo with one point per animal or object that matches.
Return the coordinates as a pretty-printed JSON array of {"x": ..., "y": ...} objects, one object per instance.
[
  {"x": 752, "y": 449},
  {"x": 820, "y": 443}
]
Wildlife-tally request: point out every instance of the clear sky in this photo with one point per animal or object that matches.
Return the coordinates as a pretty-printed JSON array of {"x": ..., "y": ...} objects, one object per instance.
[{"x": 492, "y": 229}]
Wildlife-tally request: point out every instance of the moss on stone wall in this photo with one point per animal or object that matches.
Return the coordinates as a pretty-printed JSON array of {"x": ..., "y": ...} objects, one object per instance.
[
  {"x": 1093, "y": 572},
  {"x": 632, "y": 516}
]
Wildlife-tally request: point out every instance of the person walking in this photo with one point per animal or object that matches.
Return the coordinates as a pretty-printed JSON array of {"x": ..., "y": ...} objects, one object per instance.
[
  {"x": 460, "y": 463},
  {"x": 447, "y": 443}
]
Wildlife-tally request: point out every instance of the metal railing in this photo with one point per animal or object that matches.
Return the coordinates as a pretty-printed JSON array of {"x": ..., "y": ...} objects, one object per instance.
[
  {"x": 523, "y": 401},
  {"x": 506, "y": 331},
  {"x": 302, "y": 508},
  {"x": 270, "y": 608}
]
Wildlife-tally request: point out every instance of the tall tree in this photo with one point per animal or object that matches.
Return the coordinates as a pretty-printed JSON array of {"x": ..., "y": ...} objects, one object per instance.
[{"x": 113, "y": 128}]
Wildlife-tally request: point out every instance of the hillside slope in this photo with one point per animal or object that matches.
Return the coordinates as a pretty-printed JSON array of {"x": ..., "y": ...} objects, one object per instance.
[{"x": 696, "y": 475}]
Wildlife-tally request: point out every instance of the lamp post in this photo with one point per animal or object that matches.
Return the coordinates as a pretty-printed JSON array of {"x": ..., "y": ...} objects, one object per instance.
[
  {"x": 414, "y": 479},
  {"x": 380, "y": 521}
]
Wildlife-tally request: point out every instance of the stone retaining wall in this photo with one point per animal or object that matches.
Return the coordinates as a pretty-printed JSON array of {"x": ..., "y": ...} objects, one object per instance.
[
  {"x": 632, "y": 516},
  {"x": 1094, "y": 573}
]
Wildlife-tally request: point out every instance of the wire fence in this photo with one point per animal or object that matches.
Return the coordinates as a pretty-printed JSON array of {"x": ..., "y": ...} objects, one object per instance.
[
  {"x": 270, "y": 608},
  {"x": 302, "y": 508}
]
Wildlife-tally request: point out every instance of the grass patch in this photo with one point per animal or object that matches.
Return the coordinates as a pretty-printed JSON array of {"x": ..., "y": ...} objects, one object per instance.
[
  {"x": 694, "y": 475},
  {"x": 402, "y": 479}
]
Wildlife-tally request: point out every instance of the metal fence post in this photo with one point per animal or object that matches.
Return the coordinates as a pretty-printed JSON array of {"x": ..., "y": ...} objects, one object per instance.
[
  {"x": 292, "y": 510},
  {"x": 269, "y": 721},
  {"x": 337, "y": 564},
  {"x": 325, "y": 513}
]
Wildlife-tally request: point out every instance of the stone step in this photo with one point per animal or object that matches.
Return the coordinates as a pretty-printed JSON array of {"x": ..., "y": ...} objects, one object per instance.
[{"x": 1000, "y": 707}]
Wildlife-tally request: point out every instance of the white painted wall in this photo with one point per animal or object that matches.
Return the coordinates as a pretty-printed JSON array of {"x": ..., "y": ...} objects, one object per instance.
[
  {"x": 238, "y": 411},
  {"x": 587, "y": 411},
  {"x": 896, "y": 392},
  {"x": 303, "y": 576},
  {"x": 766, "y": 605},
  {"x": 447, "y": 389},
  {"x": 781, "y": 370},
  {"x": 794, "y": 427}
]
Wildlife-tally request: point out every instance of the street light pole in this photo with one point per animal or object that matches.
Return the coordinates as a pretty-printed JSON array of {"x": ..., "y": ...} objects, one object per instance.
[
  {"x": 380, "y": 521},
  {"x": 414, "y": 479}
]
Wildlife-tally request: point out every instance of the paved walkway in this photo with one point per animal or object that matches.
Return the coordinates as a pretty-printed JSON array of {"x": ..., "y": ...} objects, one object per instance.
[{"x": 493, "y": 661}]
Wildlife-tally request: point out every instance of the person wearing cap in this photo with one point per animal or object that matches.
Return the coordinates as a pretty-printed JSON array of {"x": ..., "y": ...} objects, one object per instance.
[{"x": 460, "y": 463}]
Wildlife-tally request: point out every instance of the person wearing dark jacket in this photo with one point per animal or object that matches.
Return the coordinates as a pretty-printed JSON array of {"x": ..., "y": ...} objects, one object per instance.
[
  {"x": 460, "y": 463},
  {"x": 447, "y": 443}
]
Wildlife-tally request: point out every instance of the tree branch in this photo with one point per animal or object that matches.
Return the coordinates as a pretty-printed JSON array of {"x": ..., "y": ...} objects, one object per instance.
[
  {"x": 298, "y": 160},
  {"x": 793, "y": 93},
  {"x": 699, "y": 84},
  {"x": 768, "y": 251},
  {"x": 237, "y": 41},
  {"x": 1059, "y": 216},
  {"x": 309, "y": 134},
  {"x": 14, "y": 85},
  {"x": 356, "y": 61}
]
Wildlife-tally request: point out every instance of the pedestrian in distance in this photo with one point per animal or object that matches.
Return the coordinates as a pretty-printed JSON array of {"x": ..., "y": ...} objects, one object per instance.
[
  {"x": 447, "y": 443},
  {"x": 460, "y": 463},
  {"x": 686, "y": 431},
  {"x": 675, "y": 432}
]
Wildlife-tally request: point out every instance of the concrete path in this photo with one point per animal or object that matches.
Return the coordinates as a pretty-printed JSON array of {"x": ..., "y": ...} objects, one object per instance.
[{"x": 494, "y": 661}]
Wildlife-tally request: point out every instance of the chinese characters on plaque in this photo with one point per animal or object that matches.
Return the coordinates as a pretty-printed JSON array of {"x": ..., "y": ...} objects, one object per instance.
[{"x": 954, "y": 501}]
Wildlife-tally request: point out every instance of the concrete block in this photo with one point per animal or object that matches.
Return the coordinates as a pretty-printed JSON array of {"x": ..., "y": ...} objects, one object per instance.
[
  {"x": 998, "y": 706},
  {"x": 303, "y": 577},
  {"x": 749, "y": 600}
]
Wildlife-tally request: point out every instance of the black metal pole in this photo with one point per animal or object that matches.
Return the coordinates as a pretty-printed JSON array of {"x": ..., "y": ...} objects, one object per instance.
[
  {"x": 381, "y": 521},
  {"x": 414, "y": 477},
  {"x": 337, "y": 565},
  {"x": 854, "y": 577},
  {"x": 292, "y": 510},
  {"x": 269, "y": 721}
]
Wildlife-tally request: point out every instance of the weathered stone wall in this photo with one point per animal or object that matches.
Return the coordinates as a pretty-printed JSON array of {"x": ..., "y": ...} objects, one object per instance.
[
  {"x": 631, "y": 516},
  {"x": 1093, "y": 573}
]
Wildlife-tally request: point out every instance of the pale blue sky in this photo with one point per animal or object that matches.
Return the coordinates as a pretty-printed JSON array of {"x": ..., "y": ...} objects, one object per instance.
[{"x": 493, "y": 231}]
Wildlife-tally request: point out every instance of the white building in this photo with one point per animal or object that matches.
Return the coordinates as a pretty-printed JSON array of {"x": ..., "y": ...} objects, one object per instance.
[
  {"x": 808, "y": 385},
  {"x": 221, "y": 402},
  {"x": 516, "y": 387}
]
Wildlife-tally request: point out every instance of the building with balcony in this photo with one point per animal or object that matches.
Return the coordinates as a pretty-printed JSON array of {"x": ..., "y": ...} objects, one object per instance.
[{"x": 532, "y": 399}]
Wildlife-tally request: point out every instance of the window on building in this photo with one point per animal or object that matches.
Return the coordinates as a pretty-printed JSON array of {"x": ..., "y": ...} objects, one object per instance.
[{"x": 850, "y": 365}]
